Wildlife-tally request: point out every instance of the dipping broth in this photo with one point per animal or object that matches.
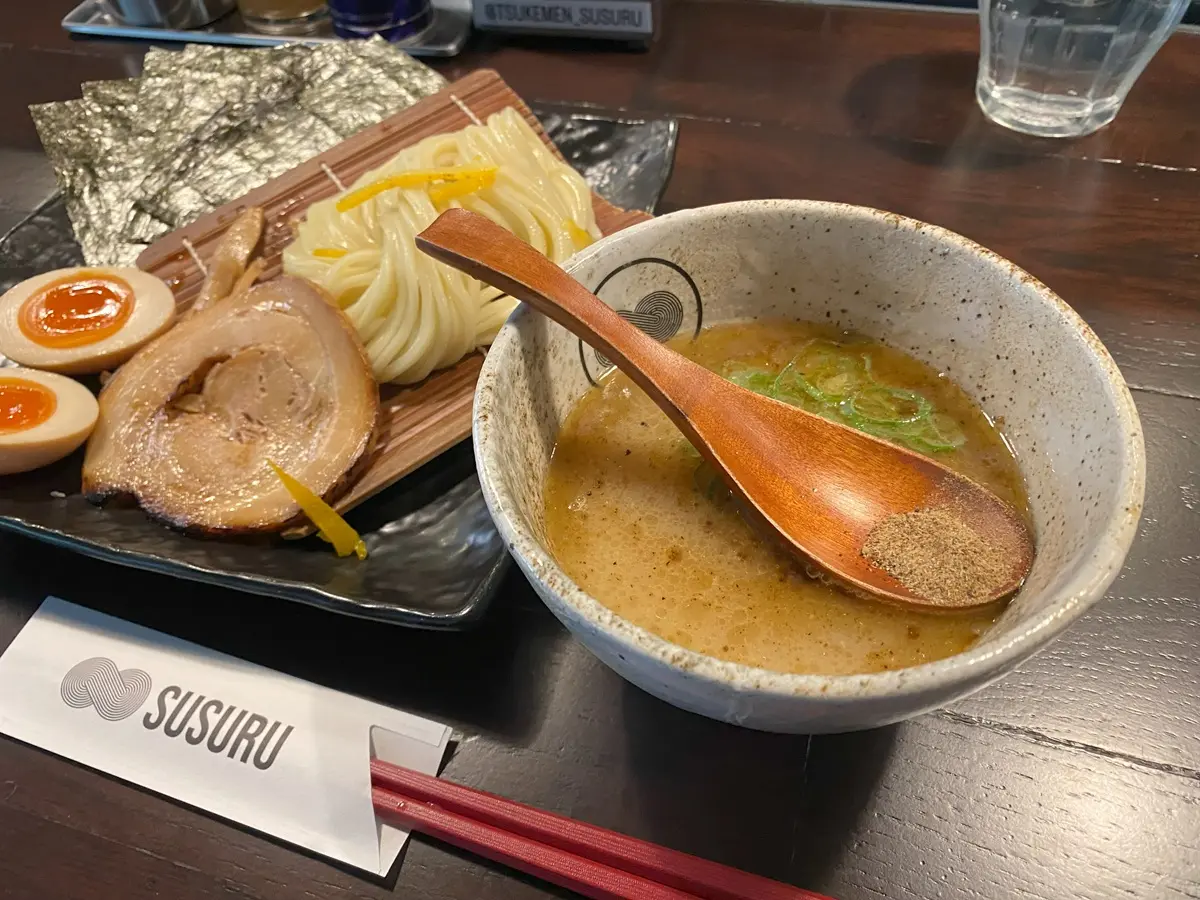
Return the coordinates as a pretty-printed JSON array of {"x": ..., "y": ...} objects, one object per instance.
[{"x": 636, "y": 520}]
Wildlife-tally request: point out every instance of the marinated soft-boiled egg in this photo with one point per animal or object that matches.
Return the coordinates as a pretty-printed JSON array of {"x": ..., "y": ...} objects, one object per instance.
[
  {"x": 83, "y": 320},
  {"x": 43, "y": 417}
]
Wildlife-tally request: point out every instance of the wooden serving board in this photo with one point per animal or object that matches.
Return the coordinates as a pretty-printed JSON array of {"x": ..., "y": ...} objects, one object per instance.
[{"x": 417, "y": 422}]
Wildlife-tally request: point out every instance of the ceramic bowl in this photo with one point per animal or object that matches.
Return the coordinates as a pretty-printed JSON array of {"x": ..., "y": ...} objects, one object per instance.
[{"x": 1018, "y": 349}]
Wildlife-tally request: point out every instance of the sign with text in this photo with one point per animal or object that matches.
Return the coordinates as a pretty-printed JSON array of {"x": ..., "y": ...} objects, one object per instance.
[
  {"x": 272, "y": 752},
  {"x": 625, "y": 19}
]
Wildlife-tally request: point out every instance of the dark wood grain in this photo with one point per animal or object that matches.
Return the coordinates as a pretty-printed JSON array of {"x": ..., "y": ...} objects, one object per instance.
[
  {"x": 1078, "y": 776},
  {"x": 1092, "y": 232},
  {"x": 906, "y": 77},
  {"x": 1123, "y": 680}
]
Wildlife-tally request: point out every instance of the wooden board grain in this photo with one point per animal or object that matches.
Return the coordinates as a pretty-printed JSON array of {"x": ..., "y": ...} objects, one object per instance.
[{"x": 418, "y": 422}]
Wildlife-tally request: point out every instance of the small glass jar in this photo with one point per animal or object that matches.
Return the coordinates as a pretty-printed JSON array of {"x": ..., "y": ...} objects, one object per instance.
[
  {"x": 283, "y": 16},
  {"x": 399, "y": 21}
]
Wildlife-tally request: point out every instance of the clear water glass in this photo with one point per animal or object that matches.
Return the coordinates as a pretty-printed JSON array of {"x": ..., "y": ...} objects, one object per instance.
[{"x": 1062, "y": 68}]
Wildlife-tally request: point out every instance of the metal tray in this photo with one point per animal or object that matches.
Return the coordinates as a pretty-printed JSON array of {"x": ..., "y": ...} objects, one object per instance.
[
  {"x": 451, "y": 27},
  {"x": 435, "y": 556}
]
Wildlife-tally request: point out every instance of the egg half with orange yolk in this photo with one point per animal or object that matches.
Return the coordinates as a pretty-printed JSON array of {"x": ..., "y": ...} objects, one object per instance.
[
  {"x": 43, "y": 417},
  {"x": 84, "y": 320}
]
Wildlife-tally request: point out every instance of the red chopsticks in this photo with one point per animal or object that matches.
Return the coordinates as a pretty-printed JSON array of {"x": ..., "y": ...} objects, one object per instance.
[{"x": 589, "y": 860}]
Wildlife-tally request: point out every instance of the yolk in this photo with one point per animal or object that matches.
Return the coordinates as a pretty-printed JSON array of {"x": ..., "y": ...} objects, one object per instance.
[
  {"x": 24, "y": 404},
  {"x": 77, "y": 310}
]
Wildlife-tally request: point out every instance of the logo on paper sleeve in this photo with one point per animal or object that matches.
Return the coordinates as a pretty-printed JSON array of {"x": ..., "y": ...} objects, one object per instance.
[
  {"x": 204, "y": 722},
  {"x": 115, "y": 693}
]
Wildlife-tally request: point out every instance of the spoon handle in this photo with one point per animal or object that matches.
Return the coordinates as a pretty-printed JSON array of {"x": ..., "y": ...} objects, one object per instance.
[{"x": 474, "y": 244}]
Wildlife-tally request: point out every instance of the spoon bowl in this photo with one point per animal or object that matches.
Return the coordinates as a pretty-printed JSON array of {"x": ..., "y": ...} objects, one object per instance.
[{"x": 818, "y": 486}]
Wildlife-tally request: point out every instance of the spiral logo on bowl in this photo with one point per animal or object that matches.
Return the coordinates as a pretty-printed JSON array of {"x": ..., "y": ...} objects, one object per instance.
[
  {"x": 668, "y": 303},
  {"x": 115, "y": 693}
]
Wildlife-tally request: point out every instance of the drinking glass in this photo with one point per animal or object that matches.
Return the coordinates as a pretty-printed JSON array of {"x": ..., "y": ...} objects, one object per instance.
[
  {"x": 282, "y": 16},
  {"x": 400, "y": 21},
  {"x": 1062, "y": 68}
]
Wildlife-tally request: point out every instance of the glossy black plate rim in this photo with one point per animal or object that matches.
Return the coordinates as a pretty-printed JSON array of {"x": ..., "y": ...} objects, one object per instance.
[{"x": 268, "y": 586}]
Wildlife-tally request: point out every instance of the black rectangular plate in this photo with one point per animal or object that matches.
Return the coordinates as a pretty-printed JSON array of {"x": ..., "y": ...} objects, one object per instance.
[{"x": 435, "y": 557}]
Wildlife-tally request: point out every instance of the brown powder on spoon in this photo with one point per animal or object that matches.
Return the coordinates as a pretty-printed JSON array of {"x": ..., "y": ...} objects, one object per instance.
[{"x": 936, "y": 555}]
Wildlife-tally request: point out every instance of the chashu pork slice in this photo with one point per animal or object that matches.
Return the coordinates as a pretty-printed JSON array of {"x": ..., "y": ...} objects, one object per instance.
[
  {"x": 229, "y": 261},
  {"x": 187, "y": 426}
]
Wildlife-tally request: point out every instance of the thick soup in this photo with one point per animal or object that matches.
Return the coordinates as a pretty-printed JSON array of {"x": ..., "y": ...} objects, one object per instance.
[{"x": 636, "y": 520}]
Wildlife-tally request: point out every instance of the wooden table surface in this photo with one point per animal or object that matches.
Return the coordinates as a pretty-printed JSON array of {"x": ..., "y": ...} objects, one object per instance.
[{"x": 1077, "y": 777}]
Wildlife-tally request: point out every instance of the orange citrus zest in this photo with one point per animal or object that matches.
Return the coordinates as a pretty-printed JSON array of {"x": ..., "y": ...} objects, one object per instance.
[
  {"x": 330, "y": 526},
  {"x": 406, "y": 180}
]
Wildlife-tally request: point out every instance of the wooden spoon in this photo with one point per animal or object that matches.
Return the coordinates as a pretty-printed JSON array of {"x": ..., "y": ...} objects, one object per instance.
[{"x": 821, "y": 486}]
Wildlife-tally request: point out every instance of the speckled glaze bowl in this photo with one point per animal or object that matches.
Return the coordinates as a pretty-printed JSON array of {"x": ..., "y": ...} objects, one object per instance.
[{"x": 1008, "y": 340}]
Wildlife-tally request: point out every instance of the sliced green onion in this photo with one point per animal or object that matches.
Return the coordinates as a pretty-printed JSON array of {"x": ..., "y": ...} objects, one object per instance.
[
  {"x": 819, "y": 353},
  {"x": 839, "y": 383},
  {"x": 939, "y": 434},
  {"x": 828, "y": 384},
  {"x": 790, "y": 386},
  {"x": 887, "y": 432},
  {"x": 757, "y": 380},
  {"x": 883, "y": 405},
  {"x": 867, "y": 367},
  {"x": 709, "y": 483},
  {"x": 833, "y": 373},
  {"x": 836, "y": 385}
]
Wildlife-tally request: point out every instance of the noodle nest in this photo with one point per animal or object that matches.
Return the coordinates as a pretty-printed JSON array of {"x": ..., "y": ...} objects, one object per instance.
[{"x": 415, "y": 314}]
